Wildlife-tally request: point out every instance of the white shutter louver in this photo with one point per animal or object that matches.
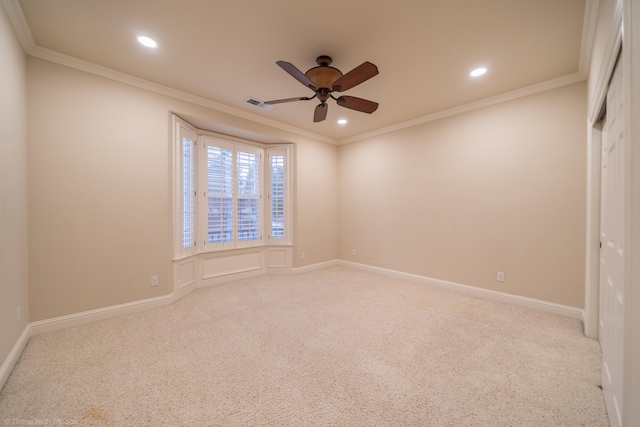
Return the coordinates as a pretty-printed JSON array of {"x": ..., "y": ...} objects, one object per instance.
[
  {"x": 218, "y": 187},
  {"x": 219, "y": 194},
  {"x": 248, "y": 187},
  {"x": 188, "y": 192},
  {"x": 277, "y": 197}
]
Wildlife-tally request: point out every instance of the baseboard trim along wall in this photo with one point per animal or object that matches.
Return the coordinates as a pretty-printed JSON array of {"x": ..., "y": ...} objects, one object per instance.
[
  {"x": 14, "y": 355},
  {"x": 313, "y": 267},
  {"x": 77, "y": 319},
  {"x": 544, "y": 306}
]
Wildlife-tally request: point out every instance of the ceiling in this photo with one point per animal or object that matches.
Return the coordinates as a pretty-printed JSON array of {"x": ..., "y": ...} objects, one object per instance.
[{"x": 226, "y": 51}]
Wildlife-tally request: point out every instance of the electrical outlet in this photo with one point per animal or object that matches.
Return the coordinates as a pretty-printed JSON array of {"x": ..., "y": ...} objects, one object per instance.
[
  {"x": 19, "y": 314},
  {"x": 500, "y": 276},
  {"x": 353, "y": 252},
  {"x": 302, "y": 255},
  {"x": 370, "y": 255},
  {"x": 154, "y": 280}
]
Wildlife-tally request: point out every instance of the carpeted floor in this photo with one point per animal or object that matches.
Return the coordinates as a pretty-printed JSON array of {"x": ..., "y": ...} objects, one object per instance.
[{"x": 334, "y": 347}]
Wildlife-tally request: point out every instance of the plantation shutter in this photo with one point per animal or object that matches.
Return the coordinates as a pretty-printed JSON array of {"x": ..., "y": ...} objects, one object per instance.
[
  {"x": 218, "y": 201},
  {"x": 185, "y": 184},
  {"x": 248, "y": 190},
  {"x": 188, "y": 192},
  {"x": 277, "y": 196},
  {"x": 219, "y": 194}
]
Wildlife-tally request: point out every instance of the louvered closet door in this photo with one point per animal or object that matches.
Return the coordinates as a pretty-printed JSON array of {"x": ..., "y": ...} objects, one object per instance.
[{"x": 612, "y": 249}]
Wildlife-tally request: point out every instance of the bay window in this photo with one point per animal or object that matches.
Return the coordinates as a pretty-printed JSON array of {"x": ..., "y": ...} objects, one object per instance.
[{"x": 230, "y": 194}]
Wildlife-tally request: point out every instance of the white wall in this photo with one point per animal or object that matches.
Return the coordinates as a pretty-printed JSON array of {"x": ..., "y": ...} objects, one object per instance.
[
  {"x": 501, "y": 188},
  {"x": 316, "y": 213},
  {"x": 13, "y": 189},
  {"x": 100, "y": 189}
]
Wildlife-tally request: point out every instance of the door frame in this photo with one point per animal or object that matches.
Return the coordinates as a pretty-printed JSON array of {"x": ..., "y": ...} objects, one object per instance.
[
  {"x": 594, "y": 163},
  {"x": 625, "y": 26}
]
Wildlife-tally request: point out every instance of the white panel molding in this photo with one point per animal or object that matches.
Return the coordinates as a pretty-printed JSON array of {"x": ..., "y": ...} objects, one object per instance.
[
  {"x": 229, "y": 277},
  {"x": 187, "y": 272},
  {"x": 185, "y": 276},
  {"x": 77, "y": 319},
  {"x": 14, "y": 355},
  {"x": 544, "y": 306},
  {"x": 278, "y": 258},
  {"x": 212, "y": 266}
]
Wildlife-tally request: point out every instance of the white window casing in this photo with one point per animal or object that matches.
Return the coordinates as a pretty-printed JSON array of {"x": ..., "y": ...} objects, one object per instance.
[
  {"x": 185, "y": 190},
  {"x": 278, "y": 203},
  {"x": 228, "y": 194}
]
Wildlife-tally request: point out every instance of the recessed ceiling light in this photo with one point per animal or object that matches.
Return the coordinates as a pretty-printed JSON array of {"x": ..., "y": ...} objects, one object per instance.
[
  {"x": 342, "y": 121},
  {"x": 478, "y": 72},
  {"x": 146, "y": 41}
]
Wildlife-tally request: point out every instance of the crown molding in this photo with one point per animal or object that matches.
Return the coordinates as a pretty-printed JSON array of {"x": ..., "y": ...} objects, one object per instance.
[
  {"x": 19, "y": 24},
  {"x": 508, "y": 96},
  {"x": 28, "y": 44},
  {"x": 89, "y": 67},
  {"x": 24, "y": 34}
]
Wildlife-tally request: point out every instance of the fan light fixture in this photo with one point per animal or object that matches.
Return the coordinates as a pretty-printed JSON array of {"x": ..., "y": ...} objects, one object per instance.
[
  {"x": 342, "y": 121},
  {"x": 324, "y": 80},
  {"x": 146, "y": 41}
]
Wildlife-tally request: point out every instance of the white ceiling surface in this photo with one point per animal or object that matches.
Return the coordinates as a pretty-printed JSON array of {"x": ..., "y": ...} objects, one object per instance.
[{"x": 225, "y": 51}]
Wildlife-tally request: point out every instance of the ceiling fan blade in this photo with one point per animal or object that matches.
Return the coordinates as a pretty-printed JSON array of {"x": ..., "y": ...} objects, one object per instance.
[
  {"x": 357, "y": 104},
  {"x": 280, "y": 101},
  {"x": 356, "y": 76},
  {"x": 320, "y": 113},
  {"x": 297, "y": 74}
]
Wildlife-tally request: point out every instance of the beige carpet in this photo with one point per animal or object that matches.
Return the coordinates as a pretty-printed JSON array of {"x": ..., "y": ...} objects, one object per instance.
[{"x": 335, "y": 347}]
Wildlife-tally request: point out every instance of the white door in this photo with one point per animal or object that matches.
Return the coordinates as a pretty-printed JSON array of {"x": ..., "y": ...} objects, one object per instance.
[{"x": 612, "y": 249}]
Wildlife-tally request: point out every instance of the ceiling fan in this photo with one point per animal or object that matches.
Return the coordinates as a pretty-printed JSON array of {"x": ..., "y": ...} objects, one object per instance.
[{"x": 324, "y": 80}]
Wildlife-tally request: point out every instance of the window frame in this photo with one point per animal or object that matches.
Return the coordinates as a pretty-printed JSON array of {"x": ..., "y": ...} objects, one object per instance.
[
  {"x": 285, "y": 151},
  {"x": 183, "y": 129},
  {"x": 206, "y": 141},
  {"x": 265, "y": 152}
]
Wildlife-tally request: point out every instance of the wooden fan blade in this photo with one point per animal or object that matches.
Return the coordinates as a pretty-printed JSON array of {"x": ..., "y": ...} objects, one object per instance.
[
  {"x": 356, "y": 76},
  {"x": 321, "y": 112},
  {"x": 357, "y": 104},
  {"x": 280, "y": 101},
  {"x": 297, "y": 74}
]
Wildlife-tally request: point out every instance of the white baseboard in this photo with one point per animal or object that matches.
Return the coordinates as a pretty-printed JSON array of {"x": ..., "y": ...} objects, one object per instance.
[
  {"x": 313, "y": 267},
  {"x": 14, "y": 355},
  {"x": 77, "y": 319},
  {"x": 544, "y": 306}
]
